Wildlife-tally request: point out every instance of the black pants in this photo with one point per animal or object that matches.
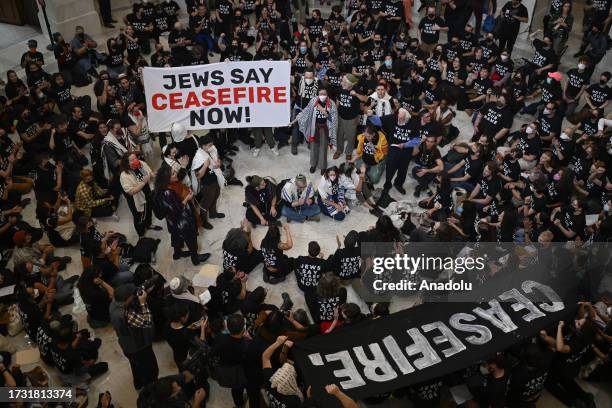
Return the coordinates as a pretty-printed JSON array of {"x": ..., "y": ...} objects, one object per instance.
[
  {"x": 144, "y": 367},
  {"x": 254, "y": 219},
  {"x": 248, "y": 263},
  {"x": 178, "y": 240},
  {"x": 101, "y": 211},
  {"x": 563, "y": 386},
  {"x": 397, "y": 161},
  {"x": 507, "y": 40},
  {"x": 253, "y": 393},
  {"x": 142, "y": 219},
  {"x": 105, "y": 11}
]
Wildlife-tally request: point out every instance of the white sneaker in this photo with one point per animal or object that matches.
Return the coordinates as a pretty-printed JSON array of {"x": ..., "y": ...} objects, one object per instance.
[
  {"x": 275, "y": 151},
  {"x": 256, "y": 152}
]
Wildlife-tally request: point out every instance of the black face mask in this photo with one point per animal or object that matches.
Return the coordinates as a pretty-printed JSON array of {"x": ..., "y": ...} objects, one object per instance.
[
  {"x": 431, "y": 15},
  {"x": 602, "y": 82}
]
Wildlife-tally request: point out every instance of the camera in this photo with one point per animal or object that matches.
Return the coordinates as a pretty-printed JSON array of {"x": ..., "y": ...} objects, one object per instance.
[
  {"x": 287, "y": 304},
  {"x": 148, "y": 284},
  {"x": 197, "y": 362}
]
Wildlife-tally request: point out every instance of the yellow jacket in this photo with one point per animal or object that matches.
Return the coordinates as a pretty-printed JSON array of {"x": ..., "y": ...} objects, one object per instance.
[{"x": 381, "y": 147}]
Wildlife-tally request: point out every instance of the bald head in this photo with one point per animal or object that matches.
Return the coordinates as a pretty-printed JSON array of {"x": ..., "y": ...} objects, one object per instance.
[{"x": 402, "y": 115}]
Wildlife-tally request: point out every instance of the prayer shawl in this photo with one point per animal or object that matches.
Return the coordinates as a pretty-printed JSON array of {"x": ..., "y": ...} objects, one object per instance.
[
  {"x": 144, "y": 138},
  {"x": 176, "y": 166},
  {"x": 326, "y": 188},
  {"x": 284, "y": 381},
  {"x": 111, "y": 141},
  {"x": 382, "y": 107},
  {"x": 302, "y": 89},
  {"x": 198, "y": 160},
  {"x": 307, "y": 120}
]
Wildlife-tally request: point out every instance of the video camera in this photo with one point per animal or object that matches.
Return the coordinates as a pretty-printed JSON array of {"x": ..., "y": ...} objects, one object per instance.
[
  {"x": 149, "y": 283},
  {"x": 287, "y": 304}
]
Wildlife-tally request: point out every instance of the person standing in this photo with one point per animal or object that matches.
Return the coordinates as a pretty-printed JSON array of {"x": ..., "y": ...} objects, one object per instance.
[
  {"x": 105, "y": 13},
  {"x": 135, "y": 177},
  {"x": 349, "y": 111},
  {"x": 182, "y": 218},
  {"x": 512, "y": 15},
  {"x": 306, "y": 90},
  {"x": 261, "y": 133},
  {"x": 205, "y": 184},
  {"x": 236, "y": 361},
  {"x": 133, "y": 324},
  {"x": 400, "y": 152},
  {"x": 319, "y": 123},
  {"x": 429, "y": 29}
]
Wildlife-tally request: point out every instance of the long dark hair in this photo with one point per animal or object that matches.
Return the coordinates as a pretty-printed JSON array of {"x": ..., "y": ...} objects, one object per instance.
[
  {"x": 509, "y": 222},
  {"x": 162, "y": 179},
  {"x": 86, "y": 283},
  {"x": 445, "y": 183},
  {"x": 236, "y": 239},
  {"x": 386, "y": 229},
  {"x": 329, "y": 286},
  {"x": 272, "y": 238},
  {"x": 335, "y": 170}
]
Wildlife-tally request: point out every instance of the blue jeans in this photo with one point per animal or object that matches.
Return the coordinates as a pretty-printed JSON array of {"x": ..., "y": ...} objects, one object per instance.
[
  {"x": 467, "y": 185},
  {"x": 331, "y": 211},
  {"x": 299, "y": 214}
]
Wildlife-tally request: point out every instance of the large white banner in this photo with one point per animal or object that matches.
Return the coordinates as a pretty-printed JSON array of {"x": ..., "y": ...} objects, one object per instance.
[{"x": 221, "y": 95}]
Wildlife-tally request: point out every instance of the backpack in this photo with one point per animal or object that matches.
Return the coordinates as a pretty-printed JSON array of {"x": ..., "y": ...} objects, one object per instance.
[{"x": 159, "y": 209}]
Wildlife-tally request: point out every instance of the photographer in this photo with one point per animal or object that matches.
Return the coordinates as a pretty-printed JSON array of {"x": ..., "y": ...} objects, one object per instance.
[
  {"x": 97, "y": 296},
  {"x": 147, "y": 278},
  {"x": 133, "y": 324},
  {"x": 180, "y": 334}
]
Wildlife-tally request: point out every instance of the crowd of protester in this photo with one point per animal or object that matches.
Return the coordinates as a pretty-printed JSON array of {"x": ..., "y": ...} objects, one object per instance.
[{"x": 371, "y": 88}]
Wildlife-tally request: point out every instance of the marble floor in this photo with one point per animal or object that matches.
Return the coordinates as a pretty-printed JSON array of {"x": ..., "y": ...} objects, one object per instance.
[{"x": 118, "y": 380}]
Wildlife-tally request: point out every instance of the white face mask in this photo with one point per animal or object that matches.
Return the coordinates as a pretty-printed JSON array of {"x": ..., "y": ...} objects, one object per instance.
[
  {"x": 606, "y": 209},
  {"x": 332, "y": 178},
  {"x": 36, "y": 293},
  {"x": 581, "y": 66},
  {"x": 309, "y": 81},
  {"x": 324, "y": 32},
  {"x": 565, "y": 136},
  {"x": 322, "y": 98},
  {"x": 504, "y": 57},
  {"x": 546, "y": 111},
  {"x": 529, "y": 130}
]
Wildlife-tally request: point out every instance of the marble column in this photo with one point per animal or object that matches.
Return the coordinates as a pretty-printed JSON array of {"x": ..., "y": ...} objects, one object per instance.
[{"x": 65, "y": 15}]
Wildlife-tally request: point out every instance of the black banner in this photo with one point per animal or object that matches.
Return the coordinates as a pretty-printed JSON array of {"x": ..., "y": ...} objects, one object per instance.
[{"x": 435, "y": 339}]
